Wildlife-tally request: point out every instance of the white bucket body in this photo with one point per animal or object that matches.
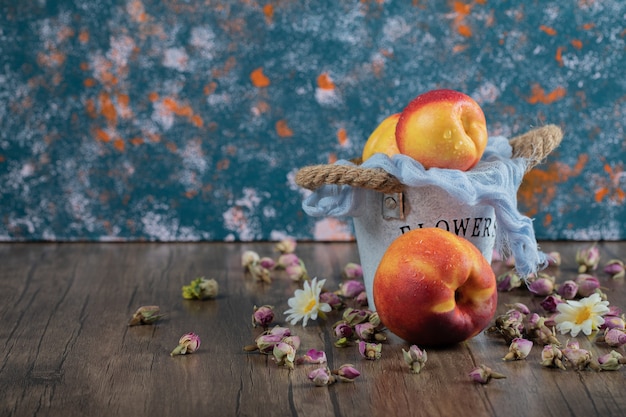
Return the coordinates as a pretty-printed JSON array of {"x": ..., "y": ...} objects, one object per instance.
[{"x": 388, "y": 216}]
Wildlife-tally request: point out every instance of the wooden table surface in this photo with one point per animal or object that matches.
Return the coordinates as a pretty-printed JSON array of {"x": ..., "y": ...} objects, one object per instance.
[{"x": 67, "y": 349}]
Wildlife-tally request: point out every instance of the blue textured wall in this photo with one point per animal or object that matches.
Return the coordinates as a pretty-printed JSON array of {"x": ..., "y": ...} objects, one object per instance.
[{"x": 186, "y": 120}]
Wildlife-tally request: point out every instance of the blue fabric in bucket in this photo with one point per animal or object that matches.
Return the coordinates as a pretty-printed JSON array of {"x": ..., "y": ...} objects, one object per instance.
[{"x": 494, "y": 182}]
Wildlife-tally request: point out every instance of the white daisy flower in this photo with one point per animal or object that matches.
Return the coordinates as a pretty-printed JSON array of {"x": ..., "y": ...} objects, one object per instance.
[
  {"x": 305, "y": 304},
  {"x": 583, "y": 315}
]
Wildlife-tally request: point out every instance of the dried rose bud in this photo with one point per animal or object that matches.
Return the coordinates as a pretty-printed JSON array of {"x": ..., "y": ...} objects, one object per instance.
[
  {"x": 352, "y": 271},
  {"x": 614, "y": 311},
  {"x": 361, "y": 299},
  {"x": 265, "y": 342},
  {"x": 263, "y": 316},
  {"x": 587, "y": 284},
  {"x": 249, "y": 258},
  {"x": 347, "y": 373},
  {"x": 297, "y": 272},
  {"x": 287, "y": 245},
  {"x": 552, "y": 357},
  {"x": 550, "y": 302},
  {"x": 354, "y": 316},
  {"x": 483, "y": 374},
  {"x": 267, "y": 263},
  {"x": 508, "y": 281},
  {"x": 539, "y": 331},
  {"x": 351, "y": 288},
  {"x": 554, "y": 259},
  {"x": 541, "y": 286},
  {"x": 145, "y": 315},
  {"x": 613, "y": 322},
  {"x": 588, "y": 258},
  {"x": 519, "y": 349},
  {"x": 292, "y": 340},
  {"x": 188, "y": 343},
  {"x": 331, "y": 299},
  {"x": 279, "y": 331},
  {"x": 287, "y": 259},
  {"x": 615, "y": 268},
  {"x": 284, "y": 354},
  {"x": 321, "y": 376},
  {"x": 313, "y": 356},
  {"x": 343, "y": 329},
  {"x": 260, "y": 273},
  {"x": 365, "y": 331},
  {"x": 612, "y": 361},
  {"x": 614, "y": 337},
  {"x": 521, "y": 307},
  {"x": 374, "y": 318},
  {"x": 579, "y": 358},
  {"x": 201, "y": 289},
  {"x": 370, "y": 351},
  {"x": 416, "y": 358},
  {"x": 568, "y": 290}
]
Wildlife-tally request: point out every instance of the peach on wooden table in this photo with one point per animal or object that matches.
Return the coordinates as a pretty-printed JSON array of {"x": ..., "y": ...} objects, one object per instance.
[{"x": 434, "y": 288}]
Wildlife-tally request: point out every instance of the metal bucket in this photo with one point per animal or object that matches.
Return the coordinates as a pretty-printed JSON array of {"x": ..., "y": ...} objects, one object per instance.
[{"x": 387, "y": 216}]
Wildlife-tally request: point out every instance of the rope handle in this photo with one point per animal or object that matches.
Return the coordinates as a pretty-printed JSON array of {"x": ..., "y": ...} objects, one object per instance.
[{"x": 534, "y": 145}]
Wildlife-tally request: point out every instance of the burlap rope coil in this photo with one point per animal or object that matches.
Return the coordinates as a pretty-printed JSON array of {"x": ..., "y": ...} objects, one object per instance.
[{"x": 534, "y": 146}]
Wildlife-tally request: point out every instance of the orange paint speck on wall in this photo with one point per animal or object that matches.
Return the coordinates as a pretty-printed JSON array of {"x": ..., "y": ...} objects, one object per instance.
[
  {"x": 259, "y": 79},
  {"x": 539, "y": 95},
  {"x": 283, "y": 130},
  {"x": 325, "y": 82}
]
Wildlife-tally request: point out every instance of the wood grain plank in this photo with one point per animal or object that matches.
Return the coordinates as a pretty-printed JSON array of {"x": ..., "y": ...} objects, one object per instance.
[{"x": 66, "y": 349}]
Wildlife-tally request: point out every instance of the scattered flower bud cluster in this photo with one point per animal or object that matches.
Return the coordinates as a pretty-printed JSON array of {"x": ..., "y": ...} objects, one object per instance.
[
  {"x": 573, "y": 306},
  {"x": 415, "y": 358},
  {"x": 484, "y": 374},
  {"x": 262, "y": 268}
]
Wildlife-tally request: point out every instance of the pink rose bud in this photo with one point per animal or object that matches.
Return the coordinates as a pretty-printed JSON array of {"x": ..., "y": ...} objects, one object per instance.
[
  {"x": 284, "y": 354},
  {"x": 483, "y": 374},
  {"x": 370, "y": 351},
  {"x": 249, "y": 258},
  {"x": 521, "y": 307},
  {"x": 313, "y": 356},
  {"x": 587, "y": 284},
  {"x": 519, "y": 349},
  {"x": 615, "y": 268},
  {"x": 266, "y": 342},
  {"x": 263, "y": 316},
  {"x": 613, "y": 322},
  {"x": 354, "y": 316},
  {"x": 588, "y": 258},
  {"x": 612, "y": 361},
  {"x": 296, "y": 272},
  {"x": 145, "y": 315},
  {"x": 343, "y": 329},
  {"x": 508, "y": 281},
  {"x": 579, "y": 358},
  {"x": 287, "y": 259},
  {"x": 347, "y": 373},
  {"x": 615, "y": 337},
  {"x": 351, "y": 288},
  {"x": 267, "y": 263},
  {"x": 352, "y": 271},
  {"x": 321, "y": 377},
  {"x": 550, "y": 302},
  {"x": 188, "y": 343},
  {"x": 541, "y": 286},
  {"x": 554, "y": 259},
  {"x": 365, "y": 331},
  {"x": 331, "y": 299},
  {"x": 416, "y": 358},
  {"x": 287, "y": 245},
  {"x": 568, "y": 290},
  {"x": 552, "y": 357}
]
